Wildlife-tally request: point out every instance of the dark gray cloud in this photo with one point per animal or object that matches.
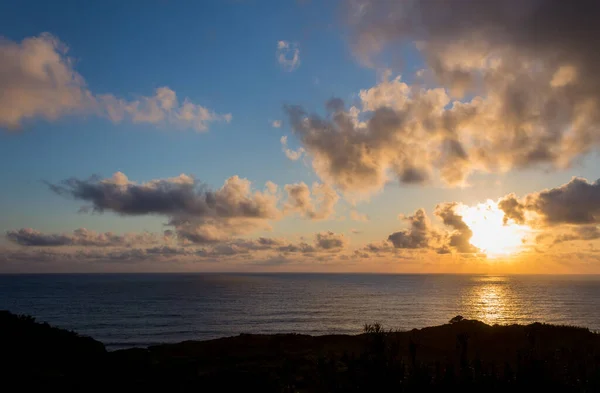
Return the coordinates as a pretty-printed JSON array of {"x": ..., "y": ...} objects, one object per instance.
[
  {"x": 301, "y": 247},
  {"x": 576, "y": 202},
  {"x": 244, "y": 246},
  {"x": 81, "y": 257},
  {"x": 166, "y": 250},
  {"x": 180, "y": 195},
  {"x": 417, "y": 236},
  {"x": 587, "y": 232},
  {"x": 459, "y": 238},
  {"x": 330, "y": 241},
  {"x": 323, "y": 241},
  {"x": 96, "y": 248},
  {"x": 512, "y": 209},
  {"x": 422, "y": 236},
  {"x": 379, "y": 247},
  {"x": 198, "y": 214},
  {"x": 79, "y": 237},
  {"x": 37, "y": 256}
]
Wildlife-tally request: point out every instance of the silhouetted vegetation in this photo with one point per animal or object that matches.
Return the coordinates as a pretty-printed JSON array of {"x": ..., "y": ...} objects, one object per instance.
[
  {"x": 38, "y": 355},
  {"x": 463, "y": 355}
]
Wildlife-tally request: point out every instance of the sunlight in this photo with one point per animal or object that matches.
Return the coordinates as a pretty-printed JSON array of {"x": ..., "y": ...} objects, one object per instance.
[
  {"x": 492, "y": 300},
  {"x": 489, "y": 232}
]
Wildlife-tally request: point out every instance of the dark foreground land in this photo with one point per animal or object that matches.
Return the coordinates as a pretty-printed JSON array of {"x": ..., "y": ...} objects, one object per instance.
[{"x": 464, "y": 355}]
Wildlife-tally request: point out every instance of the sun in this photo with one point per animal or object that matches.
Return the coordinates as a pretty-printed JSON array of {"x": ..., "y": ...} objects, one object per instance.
[{"x": 490, "y": 234}]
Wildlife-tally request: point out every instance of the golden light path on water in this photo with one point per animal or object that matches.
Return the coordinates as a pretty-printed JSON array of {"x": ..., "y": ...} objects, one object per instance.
[{"x": 492, "y": 300}]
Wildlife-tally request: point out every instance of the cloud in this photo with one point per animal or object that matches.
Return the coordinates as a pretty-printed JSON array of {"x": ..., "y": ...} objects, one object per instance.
[
  {"x": 39, "y": 256},
  {"x": 461, "y": 235},
  {"x": 322, "y": 242},
  {"x": 39, "y": 80},
  {"x": 293, "y": 155},
  {"x": 166, "y": 250},
  {"x": 198, "y": 214},
  {"x": 81, "y": 251},
  {"x": 241, "y": 246},
  {"x": 276, "y": 123},
  {"x": 162, "y": 108},
  {"x": 417, "y": 236},
  {"x": 422, "y": 236},
  {"x": 587, "y": 232},
  {"x": 316, "y": 205},
  {"x": 576, "y": 203},
  {"x": 512, "y": 209},
  {"x": 330, "y": 241},
  {"x": 171, "y": 196},
  {"x": 302, "y": 247},
  {"x": 379, "y": 247},
  {"x": 518, "y": 88},
  {"x": 214, "y": 230},
  {"x": 84, "y": 256},
  {"x": 360, "y": 156},
  {"x": 80, "y": 237},
  {"x": 288, "y": 55}
]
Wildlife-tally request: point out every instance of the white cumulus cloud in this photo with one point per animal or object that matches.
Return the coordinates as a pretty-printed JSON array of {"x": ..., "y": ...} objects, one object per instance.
[{"x": 38, "y": 80}]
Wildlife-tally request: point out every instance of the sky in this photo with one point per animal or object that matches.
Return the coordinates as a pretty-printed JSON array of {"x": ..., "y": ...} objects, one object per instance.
[{"x": 319, "y": 136}]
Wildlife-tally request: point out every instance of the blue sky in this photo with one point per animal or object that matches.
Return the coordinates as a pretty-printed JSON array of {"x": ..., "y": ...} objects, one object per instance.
[{"x": 220, "y": 55}]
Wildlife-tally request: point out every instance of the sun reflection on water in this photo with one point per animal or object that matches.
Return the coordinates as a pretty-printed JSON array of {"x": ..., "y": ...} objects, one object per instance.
[{"x": 492, "y": 300}]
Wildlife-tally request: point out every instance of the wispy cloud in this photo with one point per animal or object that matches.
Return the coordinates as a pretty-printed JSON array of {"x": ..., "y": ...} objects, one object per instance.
[
  {"x": 162, "y": 108},
  {"x": 293, "y": 155},
  {"x": 288, "y": 55}
]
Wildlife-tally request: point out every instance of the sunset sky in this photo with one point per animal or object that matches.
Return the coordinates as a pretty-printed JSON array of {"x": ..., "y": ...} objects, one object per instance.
[{"x": 368, "y": 136}]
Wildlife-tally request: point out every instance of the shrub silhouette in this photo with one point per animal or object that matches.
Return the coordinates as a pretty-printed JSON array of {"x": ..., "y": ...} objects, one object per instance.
[{"x": 457, "y": 319}]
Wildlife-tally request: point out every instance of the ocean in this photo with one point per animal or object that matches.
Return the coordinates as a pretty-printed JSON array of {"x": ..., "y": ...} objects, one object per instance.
[{"x": 127, "y": 310}]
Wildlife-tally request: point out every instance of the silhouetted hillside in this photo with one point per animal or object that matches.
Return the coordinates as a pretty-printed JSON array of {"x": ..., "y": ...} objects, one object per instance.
[
  {"x": 36, "y": 354},
  {"x": 465, "y": 355}
]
